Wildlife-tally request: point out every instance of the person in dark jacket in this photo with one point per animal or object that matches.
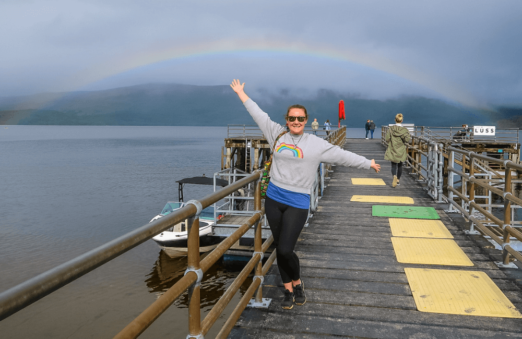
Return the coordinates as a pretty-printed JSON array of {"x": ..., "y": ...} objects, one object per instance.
[
  {"x": 367, "y": 128},
  {"x": 397, "y": 137},
  {"x": 372, "y": 127}
]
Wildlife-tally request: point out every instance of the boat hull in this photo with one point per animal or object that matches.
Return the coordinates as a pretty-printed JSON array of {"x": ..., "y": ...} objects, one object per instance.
[{"x": 178, "y": 248}]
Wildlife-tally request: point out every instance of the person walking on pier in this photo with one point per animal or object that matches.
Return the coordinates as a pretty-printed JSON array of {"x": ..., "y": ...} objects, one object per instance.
[
  {"x": 367, "y": 128},
  {"x": 396, "y": 137},
  {"x": 315, "y": 126},
  {"x": 372, "y": 127},
  {"x": 327, "y": 126},
  {"x": 296, "y": 158}
]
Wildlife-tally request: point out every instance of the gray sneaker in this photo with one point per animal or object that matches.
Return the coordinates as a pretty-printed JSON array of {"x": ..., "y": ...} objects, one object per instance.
[
  {"x": 288, "y": 301},
  {"x": 300, "y": 297}
]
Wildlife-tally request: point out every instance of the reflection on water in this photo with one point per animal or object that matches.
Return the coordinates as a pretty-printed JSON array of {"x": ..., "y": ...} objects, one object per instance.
[{"x": 167, "y": 271}]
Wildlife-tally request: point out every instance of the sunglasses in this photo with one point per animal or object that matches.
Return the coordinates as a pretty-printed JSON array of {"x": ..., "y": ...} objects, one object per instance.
[{"x": 292, "y": 119}]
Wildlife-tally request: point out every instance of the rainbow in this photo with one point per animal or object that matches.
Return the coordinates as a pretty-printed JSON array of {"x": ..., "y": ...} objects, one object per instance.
[
  {"x": 172, "y": 51},
  {"x": 296, "y": 151}
]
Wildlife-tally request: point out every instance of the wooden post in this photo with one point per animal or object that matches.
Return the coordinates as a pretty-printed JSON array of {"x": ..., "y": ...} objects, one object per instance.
[
  {"x": 222, "y": 157},
  {"x": 256, "y": 157},
  {"x": 229, "y": 157}
]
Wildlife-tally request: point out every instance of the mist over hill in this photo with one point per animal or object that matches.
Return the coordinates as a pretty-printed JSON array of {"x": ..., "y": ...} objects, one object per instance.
[{"x": 187, "y": 105}]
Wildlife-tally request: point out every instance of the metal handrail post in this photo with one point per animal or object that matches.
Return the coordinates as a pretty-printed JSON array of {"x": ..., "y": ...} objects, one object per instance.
[
  {"x": 471, "y": 192},
  {"x": 507, "y": 215},
  {"x": 434, "y": 170},
  {"x": 322, "y": 178},
  {"x": 428, "y": 164},
  {"x": 450, "y": 180},
  {"x": 258, "y": 242},
  {"x": 441, "y": 173},
  {"x": 418, "y": 161},
  {"x": 195, "y": 289},
  {"x": 463, "y": 182},
  {"x": 413, "y": 168}
]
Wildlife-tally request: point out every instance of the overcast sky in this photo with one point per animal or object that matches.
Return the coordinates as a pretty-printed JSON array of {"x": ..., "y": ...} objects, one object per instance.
[{"x": 464, "y": 51}]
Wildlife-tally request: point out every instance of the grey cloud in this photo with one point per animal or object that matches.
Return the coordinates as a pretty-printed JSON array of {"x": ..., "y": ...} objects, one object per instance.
[{"x": 471, "y": 44}]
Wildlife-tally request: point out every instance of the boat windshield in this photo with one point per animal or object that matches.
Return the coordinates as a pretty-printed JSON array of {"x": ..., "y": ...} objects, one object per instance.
[
  {"x": 207, "y": 213},
  {"x": 171, "y": 206}
]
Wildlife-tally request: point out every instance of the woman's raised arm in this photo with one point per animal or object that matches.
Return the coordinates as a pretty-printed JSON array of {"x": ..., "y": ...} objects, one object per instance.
[{"x": 239, "y": 89}]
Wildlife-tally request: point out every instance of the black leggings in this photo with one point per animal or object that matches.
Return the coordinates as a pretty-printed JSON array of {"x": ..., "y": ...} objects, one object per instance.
[
  {"x": 286, "y": 223},
  {"x": 397, "y": 171}
]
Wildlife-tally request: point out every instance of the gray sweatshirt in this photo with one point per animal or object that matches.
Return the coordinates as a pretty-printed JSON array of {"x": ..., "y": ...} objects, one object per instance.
[{"x": 296, "y": 157}]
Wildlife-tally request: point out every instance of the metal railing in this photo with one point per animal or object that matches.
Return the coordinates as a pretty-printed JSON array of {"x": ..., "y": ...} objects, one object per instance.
[
  {"x": 507, "y": 135},
  {"x": 23, "y": 295},
  {"x": 430, "y": 160},
  {"x": 469, "y": 204},
  {"x": 254, "y": 132}
]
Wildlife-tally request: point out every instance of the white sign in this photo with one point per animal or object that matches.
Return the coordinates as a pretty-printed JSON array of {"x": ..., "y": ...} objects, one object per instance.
[{"x": 484, "y": 130}]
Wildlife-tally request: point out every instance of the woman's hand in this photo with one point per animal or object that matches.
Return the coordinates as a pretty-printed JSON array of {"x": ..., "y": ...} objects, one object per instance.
[
  {"x": 239, "y": 89},
  {"x": 375, "y": 166},
  {"x": 237, "y": 86}
]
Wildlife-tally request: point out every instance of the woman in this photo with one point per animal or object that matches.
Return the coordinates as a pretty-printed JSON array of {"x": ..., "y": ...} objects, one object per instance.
[
  {"x": 396, "y": 137},
  {"x": 327, "y": 127},
  {"x": 296, "y": 158}
]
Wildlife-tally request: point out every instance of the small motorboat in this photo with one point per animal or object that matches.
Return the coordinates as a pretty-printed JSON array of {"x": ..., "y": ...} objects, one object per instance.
[{"x": 173, "y": 241}]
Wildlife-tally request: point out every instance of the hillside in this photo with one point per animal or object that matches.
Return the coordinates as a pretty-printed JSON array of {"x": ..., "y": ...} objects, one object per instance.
[{"x": 186, "y": 105}]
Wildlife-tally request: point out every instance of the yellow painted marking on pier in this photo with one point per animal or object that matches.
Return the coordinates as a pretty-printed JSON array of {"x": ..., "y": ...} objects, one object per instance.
[
  {"x": 419, "y": 228},
  {"x": 429, "y": 252},
  {"x": 368, "y": 181},
  {"x": 382, "y": 199},
  {"x": 458, "y": 292}
]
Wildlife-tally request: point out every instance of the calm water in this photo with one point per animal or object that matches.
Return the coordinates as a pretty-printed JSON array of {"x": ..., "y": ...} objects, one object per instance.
[{"x": 68, "y": 189}]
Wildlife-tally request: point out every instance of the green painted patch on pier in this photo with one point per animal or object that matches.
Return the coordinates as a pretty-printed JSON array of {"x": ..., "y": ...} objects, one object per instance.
[{"x": 405, "y": 212}]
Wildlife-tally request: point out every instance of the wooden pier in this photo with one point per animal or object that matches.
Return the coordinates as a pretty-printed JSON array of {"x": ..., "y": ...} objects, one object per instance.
[{"x": 355, "y": 285}]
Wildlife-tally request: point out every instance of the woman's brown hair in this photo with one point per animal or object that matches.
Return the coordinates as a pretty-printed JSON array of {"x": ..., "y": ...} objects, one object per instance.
[{"x": 398, "y": 118}]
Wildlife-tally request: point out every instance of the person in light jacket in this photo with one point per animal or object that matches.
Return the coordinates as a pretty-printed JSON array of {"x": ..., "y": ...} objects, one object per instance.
[
  {"x": 296, "y": 158},
  {"x": 397, "y": 137},
  {"x": 315, "y": 126},
  {"x": 327, "y": 127}
]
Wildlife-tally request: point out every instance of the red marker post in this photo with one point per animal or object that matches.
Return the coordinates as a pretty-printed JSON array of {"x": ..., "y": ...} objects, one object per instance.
[{"x": 342, "y": 115}]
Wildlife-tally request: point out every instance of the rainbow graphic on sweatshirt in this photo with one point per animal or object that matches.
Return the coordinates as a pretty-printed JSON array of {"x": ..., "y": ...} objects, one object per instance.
[{"x": 296, "y": 151}]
